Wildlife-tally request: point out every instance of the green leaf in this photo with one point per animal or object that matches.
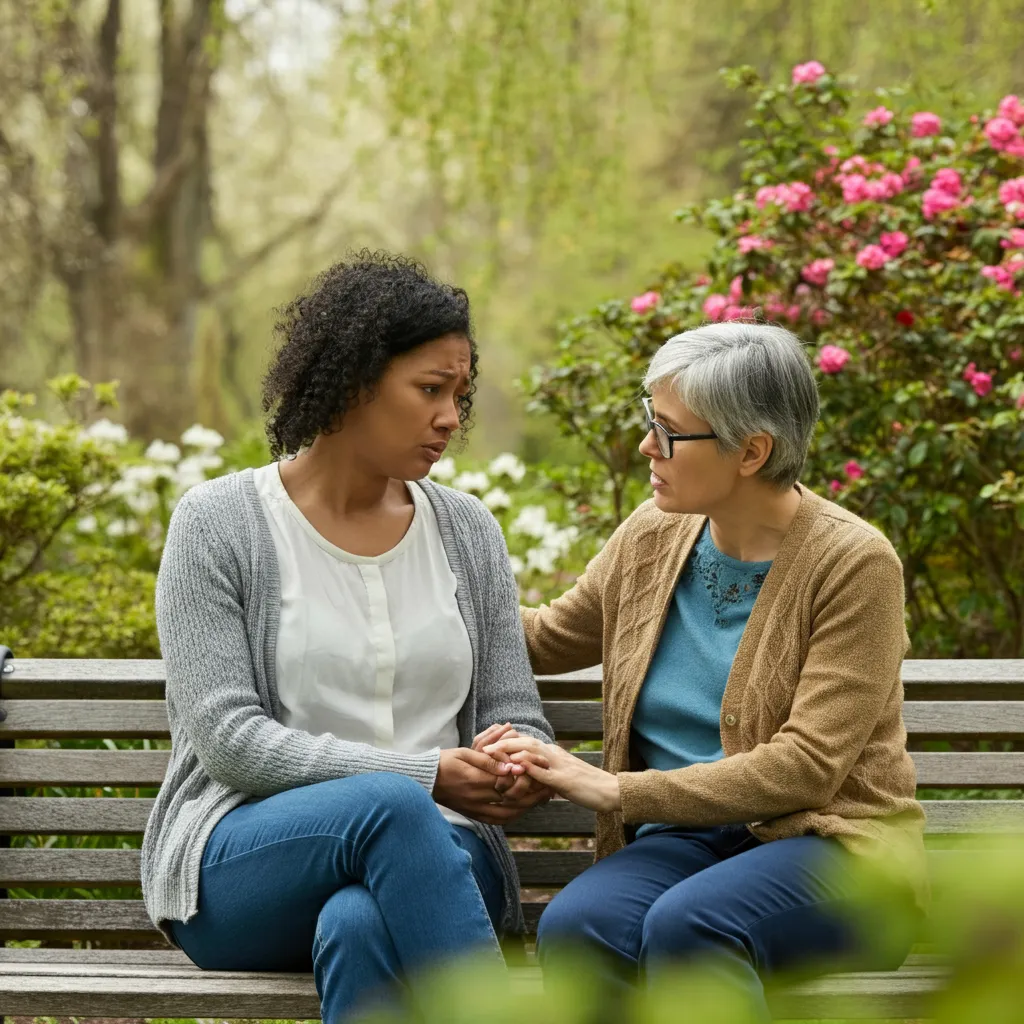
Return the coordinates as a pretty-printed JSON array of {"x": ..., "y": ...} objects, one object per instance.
[{"x": 917, "y": 453}]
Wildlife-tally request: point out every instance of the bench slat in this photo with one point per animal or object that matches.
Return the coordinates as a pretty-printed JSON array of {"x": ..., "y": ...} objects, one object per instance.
[
  {"x": 537, "y": 868},
  {"x": 133, "y": 719},
  {"x": 22, "y": 768},
  {"x": 31, "y": 768},
  {"x": 125, "y": 815}
]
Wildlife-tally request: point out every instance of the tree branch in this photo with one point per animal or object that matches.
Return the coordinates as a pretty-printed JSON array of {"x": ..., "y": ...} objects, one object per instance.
[
  {"x": 246, "y": 263},
  {"x": 104, "y": 104}
]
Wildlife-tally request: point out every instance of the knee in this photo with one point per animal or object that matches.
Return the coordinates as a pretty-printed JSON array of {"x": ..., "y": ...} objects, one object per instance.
[
  {"x": 679, "y": 927},
  {"x": 568, "y": 919},
  {"x": 351, "y": 915},
  {"x": 401, "y": 796}
]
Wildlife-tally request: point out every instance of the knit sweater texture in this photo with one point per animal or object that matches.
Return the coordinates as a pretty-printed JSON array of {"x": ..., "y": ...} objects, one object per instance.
[
  {"x": 217, "y": 609},
  {"x": 812, "y": 716}
]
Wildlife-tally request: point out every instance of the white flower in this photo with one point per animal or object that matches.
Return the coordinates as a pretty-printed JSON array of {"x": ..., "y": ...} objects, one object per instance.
[
  {"x": 541, "y": 559},
  {"x": 141, "y": 502},
  {"x": 198, "y": 436},
  {"x": 104, "y": 430},
  {"x": 141, "y": 475},
  {"x": 443, "y": 469},
  {"x": 121, "y": 527},
  {"x": 192, "y": 469},
  {"x": 496, "y": 498},
  {"x": 86, "y": 524},
  {"x": 163, "y": 451},
  {"x": 93, "y": 490},
  {"x": 15, "y": 424},
  {"x": 478, "y": 482},
  {"x": 508, "y": 465},
  {"x": 532, "y": 521},
  {"x": 518, "y": 565}
]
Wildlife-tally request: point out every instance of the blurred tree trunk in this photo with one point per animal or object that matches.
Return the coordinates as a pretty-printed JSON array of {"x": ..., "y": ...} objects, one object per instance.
[{"x": 133, "y": 281}]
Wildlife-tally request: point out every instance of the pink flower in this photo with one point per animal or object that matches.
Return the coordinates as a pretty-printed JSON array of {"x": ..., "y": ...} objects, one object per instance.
[
  {"x": 1001, "y": 276},
  {"x": 796, "y": 196},
  {"x": 855, "y": 188},
  {"x": 948, "y": 180},
  {"x": 793, "y": 313},
  {"x": 893, "y": 243},
  {"x": 911, "y": 172},
  {"x": 835, "y": 486},
  {"x": 897, "y": 427},
  {"x": 1011, "y": 195},
  {"x": 853, "y": 470},
  {"x": 936, "y": 201},
  {"x": 820, "y": 317},
  {"x": 1012, "y": 109},
  {"x": 774, "y": 307},
  {"x": 1015, "y": 148},
  {"x": 832, "y": 358},
  {"x": 872, "y": 257},
  {"x": 646, "y": 302},
  {"x": 764, "y": 195},
  {"x": 749, "y": 243},
  {"x": 1020, "y": 401},
  {"x": 1015, "y": 354},
  {"x": 1015, "y": 241},
  {"x": 924, "y": 124},
  {"x": 736, "y": 288},
  {"x": 877, "y": 117},
  {"x": 817, "y": 271},
  {"x": 701, "y": 281},
  {"x": 807, "y": 74},
  {"x": 892, "y": 183},
  {"x": 830, "y": 150},
  {"x": 714, "y": 306},
  {"x": 982, "y": 384},
  {"x": 969, "y": 371},
  {"x": 1000, "y": 132},
  {"x": 732, "y": 312}
]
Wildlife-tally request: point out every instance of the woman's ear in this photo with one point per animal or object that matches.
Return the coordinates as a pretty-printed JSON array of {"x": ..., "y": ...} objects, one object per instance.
[{"x": 755, "y": 454}]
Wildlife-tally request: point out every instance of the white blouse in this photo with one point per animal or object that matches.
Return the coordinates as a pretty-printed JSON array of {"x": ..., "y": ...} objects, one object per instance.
[{"x": 372, "y": 649}]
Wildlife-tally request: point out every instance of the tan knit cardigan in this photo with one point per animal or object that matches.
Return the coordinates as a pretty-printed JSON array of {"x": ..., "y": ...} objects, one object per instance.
[{"x": 811, "y": 722}]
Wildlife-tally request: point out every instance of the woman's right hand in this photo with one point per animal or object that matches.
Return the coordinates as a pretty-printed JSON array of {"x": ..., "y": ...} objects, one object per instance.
[{"x": 466, "y": 780}]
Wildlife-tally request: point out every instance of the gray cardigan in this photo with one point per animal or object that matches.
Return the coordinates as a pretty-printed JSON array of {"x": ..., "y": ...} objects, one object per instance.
[{"x": 217, "y": 609}]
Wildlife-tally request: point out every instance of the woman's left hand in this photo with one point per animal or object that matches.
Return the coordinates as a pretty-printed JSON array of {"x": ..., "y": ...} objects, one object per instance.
[{"x": 569, "y": 776}]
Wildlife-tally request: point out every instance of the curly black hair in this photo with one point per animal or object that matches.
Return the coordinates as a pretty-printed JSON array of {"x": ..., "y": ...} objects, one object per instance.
[{"x": 339, "y": 336}]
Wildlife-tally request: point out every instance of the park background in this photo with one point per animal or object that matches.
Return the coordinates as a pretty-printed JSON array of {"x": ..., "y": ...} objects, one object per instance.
[{"x": 171, "y": 171}]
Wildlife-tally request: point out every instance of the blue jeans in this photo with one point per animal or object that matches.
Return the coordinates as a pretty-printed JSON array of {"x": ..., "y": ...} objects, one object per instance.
[
  {"x": 746, "y": 909},
  {"x": 360, "y": 880}
]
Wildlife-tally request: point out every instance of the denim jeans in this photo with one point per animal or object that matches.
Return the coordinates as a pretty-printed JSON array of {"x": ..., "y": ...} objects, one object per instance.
[
  {"x": 746, "y": 909},
  {"x": 360, "y": 880}
]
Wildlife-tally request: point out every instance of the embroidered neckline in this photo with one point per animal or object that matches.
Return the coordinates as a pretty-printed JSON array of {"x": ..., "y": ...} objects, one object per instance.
[{"x": 726, "y": 584}]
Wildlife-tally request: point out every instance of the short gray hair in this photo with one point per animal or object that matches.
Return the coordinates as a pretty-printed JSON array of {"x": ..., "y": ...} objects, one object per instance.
[{"x": 745, "y": 379}]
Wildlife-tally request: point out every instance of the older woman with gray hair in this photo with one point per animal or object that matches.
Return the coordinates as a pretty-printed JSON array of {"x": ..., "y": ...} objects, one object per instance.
[{"x": 752, "y": 635}]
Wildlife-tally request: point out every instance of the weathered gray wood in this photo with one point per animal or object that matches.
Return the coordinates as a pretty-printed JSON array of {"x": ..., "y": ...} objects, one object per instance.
[
  {"x": 123, "y": 816},
  {"x": 130, "y": 719},
  {"x": 106, "y": 719},
  {"x": 69, "y": 867},
  {"x": 49, "y": 919},
  {"x": 894, "y": 995},
  {"x": 958, "y": 770},
  {"x": 199, "y": 994},
  {"x": 139, "y": 957},
  {"x": 24, "y": 768},
  {"x": 931, "y": 679},
  {"x": 102, "y": 868},
  {"x": 73, "y": 816}
]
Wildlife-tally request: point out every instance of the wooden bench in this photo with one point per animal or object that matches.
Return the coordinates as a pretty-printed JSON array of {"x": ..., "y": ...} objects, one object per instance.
[{"x": 65, "y": 700}]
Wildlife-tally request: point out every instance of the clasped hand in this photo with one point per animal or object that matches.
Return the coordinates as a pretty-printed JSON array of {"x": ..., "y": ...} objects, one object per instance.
[
  {"x": 492, "y": 789},
  {"x": 567, "y": 775}
]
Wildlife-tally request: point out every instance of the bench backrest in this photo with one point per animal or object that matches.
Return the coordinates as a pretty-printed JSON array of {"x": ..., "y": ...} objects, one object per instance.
[{"x": 975, "y": 707}]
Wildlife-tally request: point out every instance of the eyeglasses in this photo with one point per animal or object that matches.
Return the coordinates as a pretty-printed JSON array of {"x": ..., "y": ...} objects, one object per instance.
[{"x": 663, "y": 437}]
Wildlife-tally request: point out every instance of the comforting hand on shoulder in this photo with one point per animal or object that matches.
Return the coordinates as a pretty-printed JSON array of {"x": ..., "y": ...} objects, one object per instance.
[{"x": 569, "y": 776}]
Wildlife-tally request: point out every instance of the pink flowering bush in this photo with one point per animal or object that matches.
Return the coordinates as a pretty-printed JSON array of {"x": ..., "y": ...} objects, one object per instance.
[{"x": 892, "y": 242}]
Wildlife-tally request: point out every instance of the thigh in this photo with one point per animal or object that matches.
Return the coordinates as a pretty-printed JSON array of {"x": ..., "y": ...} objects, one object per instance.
[
  {"x": 269, "y": 867},
  {"x": 783, "y": 905},
  {"x": 605, "y": 907}
]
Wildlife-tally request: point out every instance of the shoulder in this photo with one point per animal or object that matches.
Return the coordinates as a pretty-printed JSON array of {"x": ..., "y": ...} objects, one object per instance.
[
  {"x": 846, "y": 547},
  {"x": 647, "y": 524},
  {"x": 220, "y": 507}
]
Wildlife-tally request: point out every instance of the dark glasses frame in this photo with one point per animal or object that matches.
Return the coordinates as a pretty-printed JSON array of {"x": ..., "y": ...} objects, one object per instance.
[{"x": 663, "y": 437}]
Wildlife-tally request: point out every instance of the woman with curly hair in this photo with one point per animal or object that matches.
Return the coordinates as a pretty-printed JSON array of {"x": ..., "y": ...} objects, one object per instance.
[{"x": 339, "y": 635}]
